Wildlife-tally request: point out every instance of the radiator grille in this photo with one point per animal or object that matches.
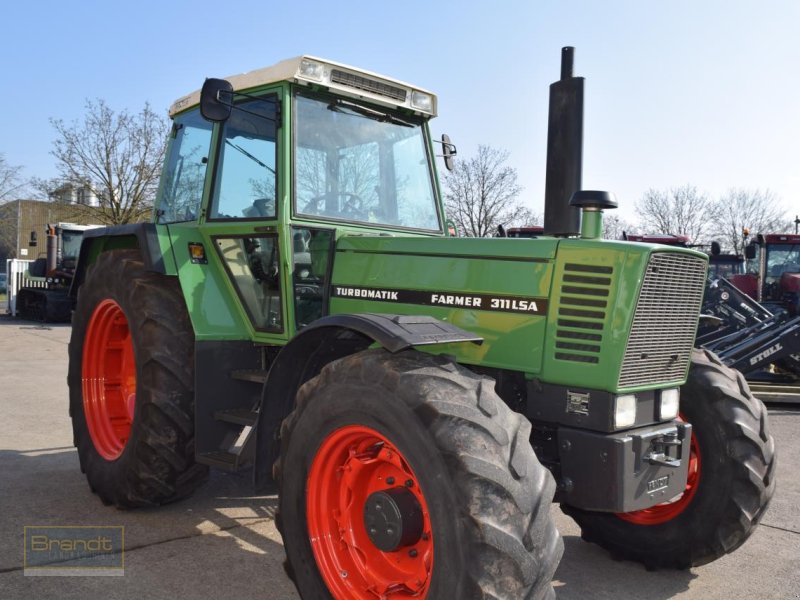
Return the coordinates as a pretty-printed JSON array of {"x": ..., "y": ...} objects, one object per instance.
[
  {"x": 369, "y": 85},
  {"x": 664, "y": 325},
  {"x": 582, "y": 305}
]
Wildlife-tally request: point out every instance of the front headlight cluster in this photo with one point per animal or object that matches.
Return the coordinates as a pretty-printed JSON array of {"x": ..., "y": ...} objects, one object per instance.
[{"x": 625, "y": 407}]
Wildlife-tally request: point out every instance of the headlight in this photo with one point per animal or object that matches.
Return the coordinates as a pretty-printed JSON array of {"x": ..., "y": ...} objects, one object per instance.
[
  {"x": 310, "y": 69},
  {"x": 422, "y": 101},
  {"x": 625, "y": 411},
  {"x": 670, "y": 403}
]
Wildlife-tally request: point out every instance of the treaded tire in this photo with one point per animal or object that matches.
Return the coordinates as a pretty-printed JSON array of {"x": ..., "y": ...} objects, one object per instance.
[
  {"x": 489, "y": 497},
  {"x": 736, "y": 478},
  {"x": 157, "y": 464}
]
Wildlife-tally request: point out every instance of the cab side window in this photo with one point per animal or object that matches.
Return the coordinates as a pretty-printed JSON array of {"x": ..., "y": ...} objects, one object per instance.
[
  {"x": 252, "y": 264},
  {"x": 311, "y": 256},
  {"x": 246, "y": 183},
  {"x": 185, "y": 169}
]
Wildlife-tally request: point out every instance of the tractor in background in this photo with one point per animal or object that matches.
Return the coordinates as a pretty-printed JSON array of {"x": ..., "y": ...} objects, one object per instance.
[
  {"x": 773, "y": 272},
  {"x": 49, "y": 301}
]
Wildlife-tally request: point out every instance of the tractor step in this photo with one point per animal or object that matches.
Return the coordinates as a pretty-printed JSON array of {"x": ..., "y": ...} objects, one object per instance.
[
  {"x": 252, "y": 375},
  {"x": 237, "y": 416}
]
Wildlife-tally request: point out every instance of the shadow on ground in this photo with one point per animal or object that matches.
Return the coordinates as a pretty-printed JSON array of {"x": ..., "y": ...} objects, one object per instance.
[{"x": 221, "y": 542}]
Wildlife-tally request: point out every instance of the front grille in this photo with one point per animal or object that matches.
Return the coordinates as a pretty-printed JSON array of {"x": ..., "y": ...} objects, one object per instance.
[
  {"x": 582, "y": 304},
  {"x": 664, "y": 325},
  {"x": 368, "y": 85}
]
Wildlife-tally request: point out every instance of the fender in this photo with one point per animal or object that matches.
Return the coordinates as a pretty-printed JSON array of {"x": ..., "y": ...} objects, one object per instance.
[
  {"x": 145, "y": 236},
  {"x": 324, "y": 341}
]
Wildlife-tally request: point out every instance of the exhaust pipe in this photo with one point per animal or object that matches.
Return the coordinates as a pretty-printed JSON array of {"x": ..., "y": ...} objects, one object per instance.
[
  {"x": 52, "y": 248},
  {"x": 564, "y": 150}
]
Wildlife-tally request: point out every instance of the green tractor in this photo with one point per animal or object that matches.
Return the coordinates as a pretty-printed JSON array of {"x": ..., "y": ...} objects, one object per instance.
[{"x": 299, "y": 307}]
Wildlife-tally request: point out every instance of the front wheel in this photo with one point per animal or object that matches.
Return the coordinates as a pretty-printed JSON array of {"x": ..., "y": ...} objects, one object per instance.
[
  {"x": 730, "y": 483},
  {"x": 406, "y": 476}
]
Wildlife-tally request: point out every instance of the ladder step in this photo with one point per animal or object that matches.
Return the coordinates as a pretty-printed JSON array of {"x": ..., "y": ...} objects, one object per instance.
[
  {"x": 253, "y": 375},
  {"x": 237, "y": 416},
  {"x": 227, "y": 461}
]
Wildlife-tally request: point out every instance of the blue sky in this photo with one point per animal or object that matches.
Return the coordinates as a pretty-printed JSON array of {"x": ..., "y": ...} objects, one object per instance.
[{"x": 677, "y": 92}]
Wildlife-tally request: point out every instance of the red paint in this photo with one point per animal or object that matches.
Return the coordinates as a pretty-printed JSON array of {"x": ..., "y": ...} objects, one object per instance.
[
  {"x": 352, "y": 463},
  {"x": 108, "y": 376}
]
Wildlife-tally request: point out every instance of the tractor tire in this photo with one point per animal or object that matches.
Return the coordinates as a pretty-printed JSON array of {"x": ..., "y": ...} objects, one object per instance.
[
  {"x": 131, "y": 384},
  {"x": 731, "y": 479},
  {"x": 474, "y": 500}
]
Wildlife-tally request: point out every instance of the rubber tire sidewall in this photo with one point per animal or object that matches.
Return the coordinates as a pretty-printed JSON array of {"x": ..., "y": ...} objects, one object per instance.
[
  {"x": 154, "y": 467},
  {"x": 350, "y": 405},
  {"x": 488, "y": 497}
]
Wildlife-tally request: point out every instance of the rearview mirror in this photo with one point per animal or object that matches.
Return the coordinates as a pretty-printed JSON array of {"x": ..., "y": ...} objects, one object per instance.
[
  {"x": 216, "y": 100},
  {"x": 448, "y": 151},
  {"x": 750, "y": 251}
]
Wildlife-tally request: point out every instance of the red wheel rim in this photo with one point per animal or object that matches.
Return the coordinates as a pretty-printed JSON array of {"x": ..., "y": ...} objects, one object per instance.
[
  {"x": 662, "y": 513},
  {"x": 108, "y": 376},
  {"x": 352, "y": 463}
]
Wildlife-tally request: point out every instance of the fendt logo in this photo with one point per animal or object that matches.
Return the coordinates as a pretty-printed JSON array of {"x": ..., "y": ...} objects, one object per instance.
[{"x": 768, "y": 352}]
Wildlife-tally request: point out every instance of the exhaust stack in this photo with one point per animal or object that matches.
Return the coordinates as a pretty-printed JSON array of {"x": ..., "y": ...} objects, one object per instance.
[
  {"x": 564, "y": 150},
  {"x": 52, "y": 249}
]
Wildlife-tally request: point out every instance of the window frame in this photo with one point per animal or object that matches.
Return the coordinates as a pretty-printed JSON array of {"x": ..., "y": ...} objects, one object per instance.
[{"x": 218, "y": 151}]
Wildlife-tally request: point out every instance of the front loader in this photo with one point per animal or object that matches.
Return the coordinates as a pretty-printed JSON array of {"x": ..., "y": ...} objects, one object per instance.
[{"x": 298, "y": 307}]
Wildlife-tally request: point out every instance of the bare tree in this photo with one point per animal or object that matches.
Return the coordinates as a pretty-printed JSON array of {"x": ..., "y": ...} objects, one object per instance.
[
  {"x": 11, "y": 182},
  {"x": 760, "y": 211},
  {"x": 11, "y": 185},
  {"x": 678, "y": 211},
  {"x": 481, "y": 193},
  {"x": 614, "y": 226},
  {"x": 117, "y": 156}
]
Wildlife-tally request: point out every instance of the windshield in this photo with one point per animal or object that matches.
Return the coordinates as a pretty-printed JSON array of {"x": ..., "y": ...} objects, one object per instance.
[
  {"x": 782, "y": 258},
  {"x": 355, "y": 163},
  {"x": 71, "y": 244}
]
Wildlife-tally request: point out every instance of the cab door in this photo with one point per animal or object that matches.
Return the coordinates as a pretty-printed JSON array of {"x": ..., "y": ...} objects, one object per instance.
[{"x": 241, "y": 223}]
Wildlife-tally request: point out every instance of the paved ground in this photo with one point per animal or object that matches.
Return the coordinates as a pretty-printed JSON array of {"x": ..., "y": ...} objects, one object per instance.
[{"x": 222, "y": 542}]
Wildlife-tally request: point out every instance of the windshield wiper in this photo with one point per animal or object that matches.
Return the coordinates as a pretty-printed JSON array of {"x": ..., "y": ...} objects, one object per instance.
[
  {"x": 370, "y": 113},
  {"x": 250, "y": 156}
]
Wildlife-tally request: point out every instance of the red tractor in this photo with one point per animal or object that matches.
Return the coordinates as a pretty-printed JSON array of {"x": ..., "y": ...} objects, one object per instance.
[{"x": 773, "y": 271}]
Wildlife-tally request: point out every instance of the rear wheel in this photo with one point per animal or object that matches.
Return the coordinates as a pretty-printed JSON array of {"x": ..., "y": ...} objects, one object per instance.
[
  {"x": 730, "y": 483},
  {"x": 131, "y": 384},
  {"x": 407, "y": 476}
]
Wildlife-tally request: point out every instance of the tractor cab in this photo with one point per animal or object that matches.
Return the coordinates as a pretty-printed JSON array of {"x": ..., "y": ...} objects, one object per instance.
[
  {"x": 276, "y": 164},
  {"x": 773, "y": 270}
]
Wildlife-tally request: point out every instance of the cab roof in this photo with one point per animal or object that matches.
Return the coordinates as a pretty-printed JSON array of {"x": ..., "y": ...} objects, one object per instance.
[{"x": 344, "y": 79}]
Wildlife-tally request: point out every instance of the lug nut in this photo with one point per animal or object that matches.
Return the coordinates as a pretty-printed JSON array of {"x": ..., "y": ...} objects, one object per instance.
[
  {"x": 409, "y": 483},
  {"x": 412, "y": 553},
  {"x": 390, "y": 480}
]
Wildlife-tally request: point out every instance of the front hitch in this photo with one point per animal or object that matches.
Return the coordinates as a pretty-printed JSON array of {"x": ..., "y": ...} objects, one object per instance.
[{"x": 667, "y": 449}]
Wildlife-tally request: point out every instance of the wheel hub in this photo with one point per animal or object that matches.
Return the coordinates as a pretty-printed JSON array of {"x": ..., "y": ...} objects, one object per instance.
[
  {"x": 371, "y": 537},
  {"x": 393, "y": 519}
]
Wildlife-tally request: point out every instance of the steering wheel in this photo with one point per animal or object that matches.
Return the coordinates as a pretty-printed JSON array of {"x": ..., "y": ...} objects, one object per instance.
[{"x": 351, "y": 207}]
